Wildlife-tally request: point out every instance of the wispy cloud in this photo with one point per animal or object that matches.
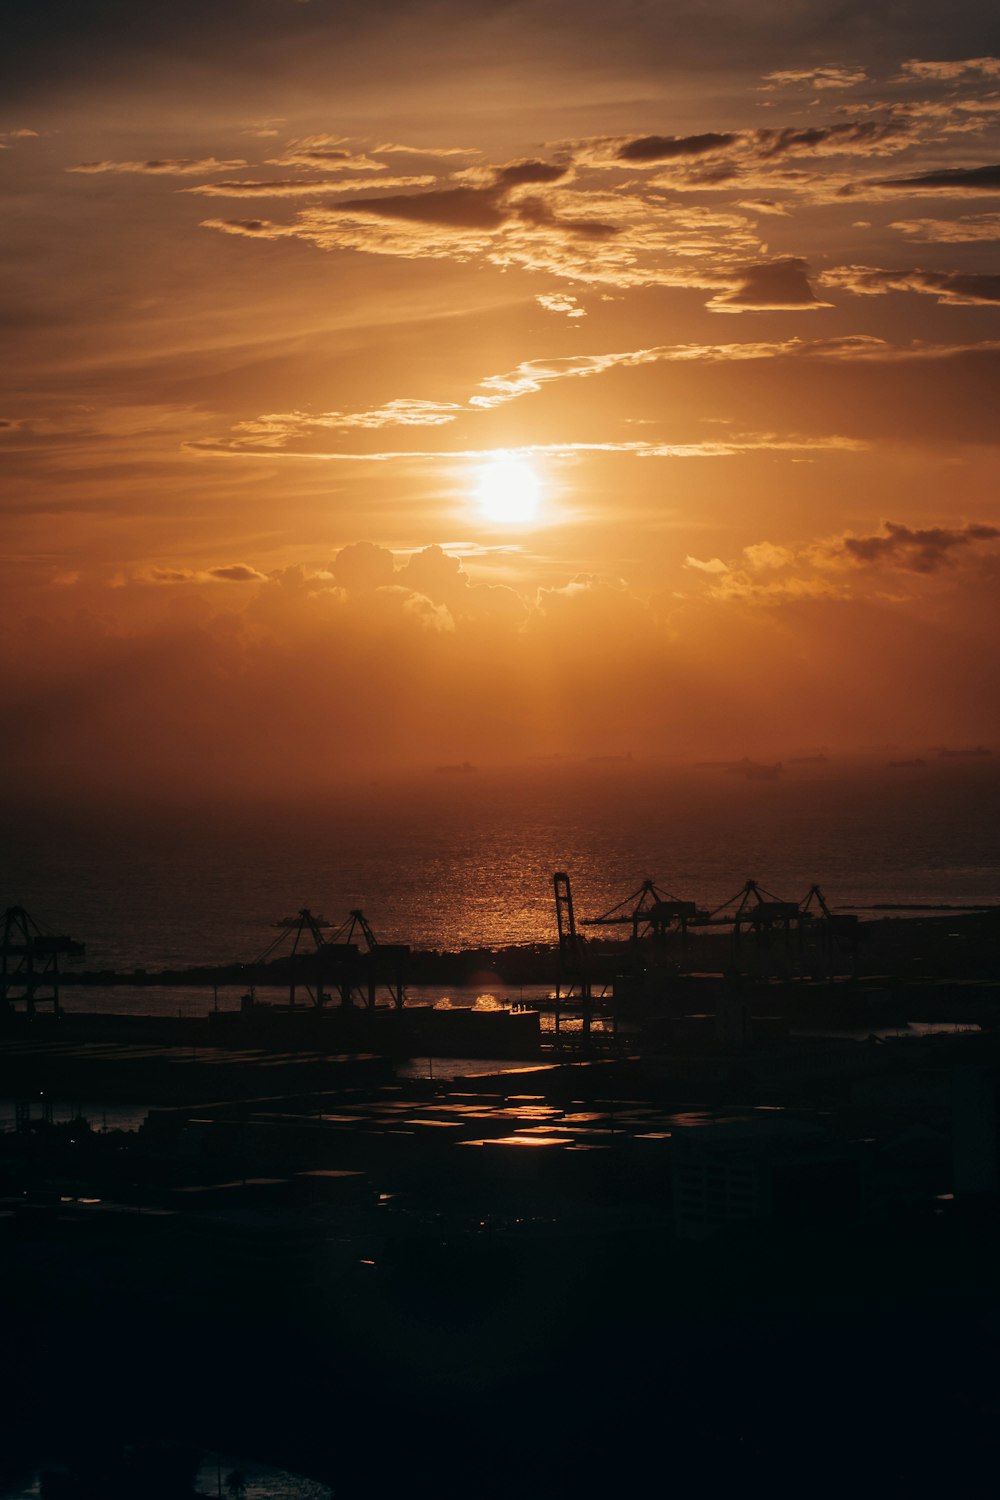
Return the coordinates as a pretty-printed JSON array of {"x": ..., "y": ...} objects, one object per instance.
[
  {"x": 723, "y": 448},
  {"x": 299, "y": 188},
  {"x": 23, "y": 134},
  {"x": 952, "y": 288},
  {"x": 391, "y": 149},
  {"x": 830, "y": 77},
  {"x": 325, "y": 152},
  {"x": 279, "y": 428},
  {"x": 517, "y": 219},
  {"x": 963, "y": 230},
  {"x": 166, "y": 167},
  {"x": 276, "y": 431},
  {"x": 742, "y": 149},
  {"x": 945, "y": 72},
  {"x": 223, "y": 573}
]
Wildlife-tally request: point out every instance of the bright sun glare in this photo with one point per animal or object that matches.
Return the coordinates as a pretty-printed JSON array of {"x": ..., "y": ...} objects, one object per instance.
[{"x": 509, "y": 490}]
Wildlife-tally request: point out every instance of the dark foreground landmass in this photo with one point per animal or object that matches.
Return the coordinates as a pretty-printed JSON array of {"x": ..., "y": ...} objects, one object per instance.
[{"x": 718, "y": 1254}]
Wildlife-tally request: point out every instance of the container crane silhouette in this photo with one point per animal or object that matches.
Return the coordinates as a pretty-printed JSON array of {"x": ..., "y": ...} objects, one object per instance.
[
  {"x": 29, "y": 961},
  {"x": 301, "y": 928},
  {"x": 573, "y": 968},
  {"x": 385, "y": 962},
  {"x": 754, "y": 909},
  {"x": 649, "y": 911}
]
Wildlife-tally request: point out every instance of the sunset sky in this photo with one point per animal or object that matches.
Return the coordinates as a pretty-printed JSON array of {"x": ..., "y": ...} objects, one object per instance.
[{"x": 415, "y": 382}]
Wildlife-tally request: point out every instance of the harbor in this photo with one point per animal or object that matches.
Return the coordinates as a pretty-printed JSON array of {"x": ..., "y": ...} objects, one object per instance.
[{"x": 445, "y": 1193}]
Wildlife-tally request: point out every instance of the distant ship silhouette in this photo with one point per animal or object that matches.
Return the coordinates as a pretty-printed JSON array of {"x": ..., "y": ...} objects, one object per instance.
[
  {"x": 974, "y": 752},
  {"x": 456, "y": 770},
  {"x": 753, "y": 770}
]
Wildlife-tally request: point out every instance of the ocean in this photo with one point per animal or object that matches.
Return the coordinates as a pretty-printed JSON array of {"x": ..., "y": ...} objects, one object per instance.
[{"x": 463, "y": 859}]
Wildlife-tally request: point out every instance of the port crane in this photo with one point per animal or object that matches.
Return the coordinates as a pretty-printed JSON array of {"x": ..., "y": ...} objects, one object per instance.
[
  {"x": 331, "y": 956},
  {"x": 385, "y": 963},
  {"x": 790, "y": 929},
  {"x": 836, "y": 930},
  {"x": 573, "y": 968},
  {"x": 791, "y": 926},
  {"x": 754, "y": 909},
  {"x": 29, "y": 960},
  {"x": 301, "y": 928},
  {"x": 649, "y": 912}
]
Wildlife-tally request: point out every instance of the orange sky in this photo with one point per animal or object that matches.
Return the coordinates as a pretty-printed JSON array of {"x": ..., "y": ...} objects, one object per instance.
[{"x": 281, "y": 286}]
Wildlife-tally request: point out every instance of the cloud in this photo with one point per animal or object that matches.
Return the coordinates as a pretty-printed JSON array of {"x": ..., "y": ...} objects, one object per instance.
[
  {"x": 659, "y": 148},
  {"x": 748, "y": 442},
  {"x": 816, "y": 78},
  {"x": 915, "y": 551},
  {"x": 967, "y": 180},
  {"x": 853, "y": 137},
  {"x": 517, "y": 173},
  {"x": 963, "y": 230},
  {"x": 769, "y": 574},
  {"x": 773, "y": 286},
  {"x": 763, "y": 206},
  {"x": 592, "y": 608},
  {"x": 170, "y": 575},
  {"x": 325, "y": 152},
  {"x": 762, "y": 556},
  {"x": 363, "y": 566},
  {"x": 438, "y": 576},
  {"x": 531, "y": 375},
  {"x": 297, "y": 188},
  {"x": 277, "y": 429},
  {"x": 734, "y": 151},
  {"x": 296, "y": 432},
  {"x": 559, "y": 302},
  {"x": 949, "y": 115},
  {"x": 738, "y": 586},
  {"x": 175, "y": 167},
  {"x": 615, "y": 238},
  {"x": 457, "y": 208},
  {"x": 253, "y": 228},
  {"x": 952, "y": 288},
  {"x": 6, "y": 136},
  {"x": 237, "y": 573},
  {"x": 434, "y": 573},
  {"x": 945, "y": 72},
  {"x": 224, "y": 573},
  {"x": 443, "y": 151}
]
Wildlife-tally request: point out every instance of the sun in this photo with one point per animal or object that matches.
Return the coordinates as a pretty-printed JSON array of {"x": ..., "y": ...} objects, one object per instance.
[{"x": 509, "y": 491}]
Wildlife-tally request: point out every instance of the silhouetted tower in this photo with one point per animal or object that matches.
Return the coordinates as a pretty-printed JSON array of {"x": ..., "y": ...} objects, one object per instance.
[
  {"x": 573, "y": 972},
  {"x": 29, "y": 961}
]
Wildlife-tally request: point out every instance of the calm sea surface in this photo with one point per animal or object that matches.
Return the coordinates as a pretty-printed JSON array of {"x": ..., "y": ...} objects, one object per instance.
[{"x": 447, "y": 861}]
